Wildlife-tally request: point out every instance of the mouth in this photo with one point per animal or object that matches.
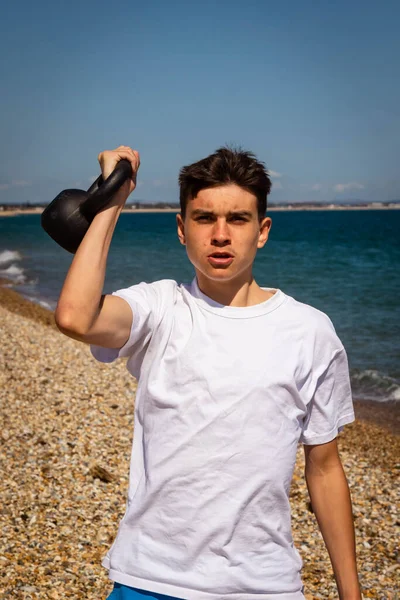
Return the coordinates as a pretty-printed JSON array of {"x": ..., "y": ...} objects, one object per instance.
[
  {"x": 220, "y": 258},
  {"x": 221, "y": 255}
]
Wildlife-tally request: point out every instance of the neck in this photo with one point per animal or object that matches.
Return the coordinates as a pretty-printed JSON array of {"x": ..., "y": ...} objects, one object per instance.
[{"x": 245, "y": 292}]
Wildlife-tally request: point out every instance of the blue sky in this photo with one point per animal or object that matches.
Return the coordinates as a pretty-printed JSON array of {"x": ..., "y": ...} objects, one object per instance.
[{"x": 312, "y": 88}]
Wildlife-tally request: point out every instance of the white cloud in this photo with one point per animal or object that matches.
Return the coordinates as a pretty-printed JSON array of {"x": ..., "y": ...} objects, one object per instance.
[
  {"x": 310, "y": 187},
  {"x": 274, "y": 174},
  {"x": 20, "y": 183},
  {"x": 15, "y": 183},
  {"x": 346, "y": 187}
]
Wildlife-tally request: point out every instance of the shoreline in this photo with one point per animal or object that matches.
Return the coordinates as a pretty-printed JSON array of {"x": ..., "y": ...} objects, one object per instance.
[{"x": 291, "y": 208}]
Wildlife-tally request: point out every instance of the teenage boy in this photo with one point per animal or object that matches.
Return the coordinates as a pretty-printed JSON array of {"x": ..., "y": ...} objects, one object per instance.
[{"x": 231, "y": 376}]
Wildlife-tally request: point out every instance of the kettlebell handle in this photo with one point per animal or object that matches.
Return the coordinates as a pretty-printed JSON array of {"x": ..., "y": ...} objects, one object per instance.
[{"x": 101, "y": 192}]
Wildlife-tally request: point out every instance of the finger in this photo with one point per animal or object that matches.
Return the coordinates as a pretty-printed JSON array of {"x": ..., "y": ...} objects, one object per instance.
[
  {"x": 133, "y": 159},
  {"x": 137, "y": 156},
  {"x": 108, "y": 160},
  {"x": 125, "y": 148},
  {"x": 133, "y": 153},
  {"x": 125, "y": 154}
]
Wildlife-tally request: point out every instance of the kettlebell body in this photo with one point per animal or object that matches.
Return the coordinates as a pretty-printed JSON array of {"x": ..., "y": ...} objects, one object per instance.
[
  {"x": 68, "y": 217},
  {"x": 64, "y": 220}
]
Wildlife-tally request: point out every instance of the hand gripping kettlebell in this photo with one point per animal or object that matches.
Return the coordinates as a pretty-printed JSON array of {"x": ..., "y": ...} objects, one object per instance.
[{"x": 68, "y": 217}]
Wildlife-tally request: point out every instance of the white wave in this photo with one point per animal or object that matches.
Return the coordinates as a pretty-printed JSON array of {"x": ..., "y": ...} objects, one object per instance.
[
  {"x": 370, "y": 384},
  {"x": 395, "y": 395},
  {"x": 17, "y": 274},
  {"x": 13, "y": 270},
  {"x": 7, "y": 256},
  {"x": 36, "y": 300},
  {"x": 46, "y": 304}
]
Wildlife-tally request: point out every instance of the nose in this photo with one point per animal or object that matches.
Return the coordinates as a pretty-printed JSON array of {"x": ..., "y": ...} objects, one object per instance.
[{"x": 220, "y": 232}]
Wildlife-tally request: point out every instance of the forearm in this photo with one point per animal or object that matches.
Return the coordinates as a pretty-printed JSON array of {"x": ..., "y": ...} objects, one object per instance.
[
  {"x": 79, "y": 301},
  {"x": 331, "y": 502}
]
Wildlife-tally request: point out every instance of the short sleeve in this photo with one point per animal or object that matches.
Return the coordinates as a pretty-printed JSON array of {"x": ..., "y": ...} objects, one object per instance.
[
  {"x": 143, "y": 299},
  {"x": 331, "y": 406}
]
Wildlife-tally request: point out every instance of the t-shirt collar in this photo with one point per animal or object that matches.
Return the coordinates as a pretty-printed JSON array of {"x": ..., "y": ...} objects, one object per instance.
[{"x": 237, "y": 311}]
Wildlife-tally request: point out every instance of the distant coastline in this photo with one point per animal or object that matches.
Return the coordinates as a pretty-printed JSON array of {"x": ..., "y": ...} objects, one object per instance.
[{"x": 14, "y": 210}]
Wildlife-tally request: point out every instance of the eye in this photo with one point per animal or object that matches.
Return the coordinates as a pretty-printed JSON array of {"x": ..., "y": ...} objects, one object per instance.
[{"x": 233, "y": 219}]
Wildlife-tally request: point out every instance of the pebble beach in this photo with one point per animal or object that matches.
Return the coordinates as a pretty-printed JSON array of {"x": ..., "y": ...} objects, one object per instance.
[{"x": 66, "y": 435}]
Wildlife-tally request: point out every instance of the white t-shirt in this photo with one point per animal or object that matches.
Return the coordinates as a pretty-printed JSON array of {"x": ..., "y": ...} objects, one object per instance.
[{"x": 224, "y": 396}]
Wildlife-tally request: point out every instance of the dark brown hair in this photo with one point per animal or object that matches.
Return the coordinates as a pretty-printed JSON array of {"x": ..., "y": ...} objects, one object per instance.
[{"x": 226, "y": 165}]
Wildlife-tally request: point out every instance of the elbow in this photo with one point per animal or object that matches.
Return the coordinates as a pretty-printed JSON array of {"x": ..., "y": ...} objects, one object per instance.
[{"x": 68, "y": 323}]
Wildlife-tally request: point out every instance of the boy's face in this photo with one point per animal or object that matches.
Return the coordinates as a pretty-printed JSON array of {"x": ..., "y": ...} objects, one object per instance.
[{"x": 223, "y": 220}]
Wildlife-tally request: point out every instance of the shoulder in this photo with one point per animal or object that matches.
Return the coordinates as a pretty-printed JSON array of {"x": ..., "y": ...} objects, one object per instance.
[
  {"x": 318, "y": 328},
  {"x": 165, "y": 286},
  {"x": 156, "y": 295},
  {"x": 312, "y": 315},
  {"x": 161, "y": 286}
]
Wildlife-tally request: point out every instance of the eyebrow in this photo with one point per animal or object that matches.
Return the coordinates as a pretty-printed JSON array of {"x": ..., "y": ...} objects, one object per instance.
[{"x": 236, "y": 213}]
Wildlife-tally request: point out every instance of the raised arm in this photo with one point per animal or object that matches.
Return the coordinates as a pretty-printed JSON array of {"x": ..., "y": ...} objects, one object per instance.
[{"x": 83, "y": 312}]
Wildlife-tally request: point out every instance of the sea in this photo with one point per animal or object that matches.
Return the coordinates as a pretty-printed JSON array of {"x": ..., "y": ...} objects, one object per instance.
[{"x": 345, "y": 263}]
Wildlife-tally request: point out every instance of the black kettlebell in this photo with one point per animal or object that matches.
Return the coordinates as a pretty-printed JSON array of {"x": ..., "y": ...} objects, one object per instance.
[{"x": 67, "y": 218}]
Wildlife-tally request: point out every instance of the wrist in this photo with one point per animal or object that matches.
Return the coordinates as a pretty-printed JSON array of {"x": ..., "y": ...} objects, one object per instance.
[
  {"x": 119, "y": 199},
  {"x": 354, "y": 594},
  {"x": 115, "y": 205},
  {"x": 350, "y": 588}
]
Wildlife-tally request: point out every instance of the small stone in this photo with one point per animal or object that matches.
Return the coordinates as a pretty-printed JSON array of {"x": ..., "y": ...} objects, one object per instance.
[
  {"x": 100, "y": 473},
  {"x": 59, "y": 515}
]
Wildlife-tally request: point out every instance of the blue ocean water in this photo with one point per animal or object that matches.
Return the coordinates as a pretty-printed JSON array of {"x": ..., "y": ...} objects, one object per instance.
[{"x": 345, "y": 263}]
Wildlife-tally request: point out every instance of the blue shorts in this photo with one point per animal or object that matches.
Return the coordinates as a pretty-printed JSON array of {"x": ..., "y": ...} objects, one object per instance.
[{"x": 123, "y": 592}]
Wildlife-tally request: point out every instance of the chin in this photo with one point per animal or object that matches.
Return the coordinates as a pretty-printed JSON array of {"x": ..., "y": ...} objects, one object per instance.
[{"x": 217, "y": 273}]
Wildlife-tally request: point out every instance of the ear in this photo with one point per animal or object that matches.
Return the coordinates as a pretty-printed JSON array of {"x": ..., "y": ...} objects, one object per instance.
[
  {"x": 181, "y": 229},
  {"x": 265, "y": 227}
]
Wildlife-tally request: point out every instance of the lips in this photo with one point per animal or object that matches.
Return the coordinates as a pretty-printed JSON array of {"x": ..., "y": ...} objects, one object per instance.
[{"x": 220, "y": 259}]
